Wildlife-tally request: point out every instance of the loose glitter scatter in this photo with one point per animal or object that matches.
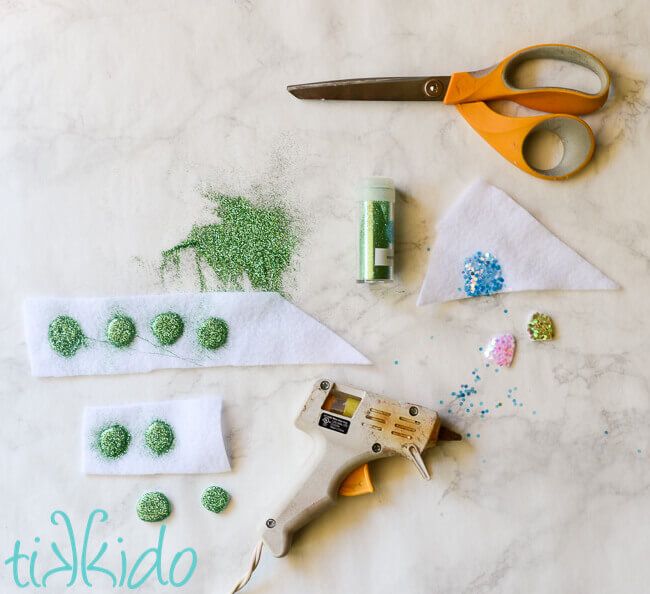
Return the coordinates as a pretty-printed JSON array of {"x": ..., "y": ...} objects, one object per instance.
[
  {"x": 500, "y": 349},
  {"x": 153, "y": 507},
  {"x": 159, "y": 437},
  {"x": 540, "y": 327},
  {"x": 482, "y": 275},
  {"x": 167, "y": 328},
  {"x": 257, "y": 242},
  {"x": 114, "y": 441},
  {"x": 213, "y": 333},
  {"x": 215, "y": 499},
  {"x": 120, "y": 331},
  {"x": 65, "y": 336}
]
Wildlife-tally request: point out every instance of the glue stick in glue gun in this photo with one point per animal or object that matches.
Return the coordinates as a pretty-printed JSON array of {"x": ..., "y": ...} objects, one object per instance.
[{"x": 349, "y": 428}]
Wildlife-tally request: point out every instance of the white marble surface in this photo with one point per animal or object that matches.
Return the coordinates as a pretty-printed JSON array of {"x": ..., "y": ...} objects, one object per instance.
[{"x": 112, "y": 113}]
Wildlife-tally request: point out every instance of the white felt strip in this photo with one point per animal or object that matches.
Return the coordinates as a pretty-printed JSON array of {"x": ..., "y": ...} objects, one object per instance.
[
  {"x": 264, "y": 329},
  {"x": 197, "y": 447},
  {"x": 486, "y": 219}
]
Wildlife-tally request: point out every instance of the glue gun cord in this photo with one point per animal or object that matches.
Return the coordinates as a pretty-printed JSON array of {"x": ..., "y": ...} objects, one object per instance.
[{"x": 255, "y": 559}]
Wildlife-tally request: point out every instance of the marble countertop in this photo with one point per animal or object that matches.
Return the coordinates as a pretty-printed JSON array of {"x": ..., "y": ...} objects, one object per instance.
[{"x": 113, "y": 114}]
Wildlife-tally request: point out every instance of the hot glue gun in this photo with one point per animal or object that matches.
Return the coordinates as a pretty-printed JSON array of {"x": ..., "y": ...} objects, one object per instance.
[{"x": 349, "y": 428}]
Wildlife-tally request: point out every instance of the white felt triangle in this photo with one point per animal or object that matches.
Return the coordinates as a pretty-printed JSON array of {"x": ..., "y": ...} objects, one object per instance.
[
  {"x": 264, "y": 329},
  {"x": 487, "y": 220}
]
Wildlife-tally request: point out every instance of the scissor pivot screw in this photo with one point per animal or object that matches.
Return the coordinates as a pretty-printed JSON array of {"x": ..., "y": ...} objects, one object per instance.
[
  {"x": 376, "y": 447},
  {"x": 324, "y": 385},
  {"x": 433, "y": 88},
  {"x": 413, "y": 411},
  {"x": 270, "y": 523}
]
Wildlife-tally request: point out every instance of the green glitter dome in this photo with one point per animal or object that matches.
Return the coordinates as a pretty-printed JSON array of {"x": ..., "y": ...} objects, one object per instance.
[
  {"x": 120, "y": 331},
  {"x": 256, "y": 242},
  {"x": 540, "y": 327},
  {"x": 215, "y": 499},
  {"x": 159, "y": 437},
  {"x": 114, "y": 441},
  {"x": 213, "y": 333},
  {"x": 153, "y": 507},
  {"x": 167, "y": 327},
  {"x": 65, "y": 336}
]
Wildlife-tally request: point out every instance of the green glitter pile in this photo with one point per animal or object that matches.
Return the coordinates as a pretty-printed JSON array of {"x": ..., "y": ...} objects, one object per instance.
[
  {"x": 120, "y": 331},
  {"x": 213, "y": 333},
  {"x": 540, "y": 327},
  {"x": 253, "y": 241},
  {"x": 114, "y": 441},
  {"x": 215, "y": 499},
  {"x": 167, "y": 328},
  {"x": 65, "y": 336},
  {"x": 159, "y": 437},
  {"x": 153, "y": 507}
]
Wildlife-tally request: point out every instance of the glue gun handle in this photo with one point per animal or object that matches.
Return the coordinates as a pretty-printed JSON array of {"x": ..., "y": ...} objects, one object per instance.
[{"x": 315, "y": 492}]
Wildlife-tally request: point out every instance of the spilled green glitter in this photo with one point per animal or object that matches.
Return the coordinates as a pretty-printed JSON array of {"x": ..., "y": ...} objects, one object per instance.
[
  {"x": 65, "y": 335},
  {"x": 215, "y": 499},
  {"x": 257, "y": 242},
  {"x": 167, "y": 327},
  {"x": 120, "y": 331},
  {"x": 153, "y": 507},
  {"x": 114, "y": 441},
  {"x": 159, "y": 437},
  {"x": 213, "y": 333}
]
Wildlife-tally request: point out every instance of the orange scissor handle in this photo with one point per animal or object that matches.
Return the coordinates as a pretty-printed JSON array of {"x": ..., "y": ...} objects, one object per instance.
[
  {"x": 508, "y": 135},
  {"x": 466, "y": 87}
]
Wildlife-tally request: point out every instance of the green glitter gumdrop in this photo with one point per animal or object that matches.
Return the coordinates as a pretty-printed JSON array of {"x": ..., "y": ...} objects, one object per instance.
[
  {"x": 167, "y": 327},
  {"x": 213, "y": 333},
  {"x": 153, "y": 507},
  {"x": 120, "y": 331},
  {"x": 215, "y": 499},
  {"x": 540, "y": 327},
  {"x": 114, "y": 441},
  {"x": 65, "y": 336},
  {"x": 159, "y": 437}
]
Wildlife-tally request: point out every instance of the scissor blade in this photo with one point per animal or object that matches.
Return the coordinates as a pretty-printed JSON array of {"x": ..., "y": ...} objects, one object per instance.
[{"x": 417, "y": 88}]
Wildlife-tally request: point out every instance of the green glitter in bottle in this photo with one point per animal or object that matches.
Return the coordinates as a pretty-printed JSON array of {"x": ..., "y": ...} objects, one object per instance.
[
  {"x": 215, "y": 499},
  {"x": 153, "y": 507},
  {"x": 159, "y": 437},
  {"x": 167, "y": 328},
  {"x": 65, "y": 336},
  {"x": 376, "y": 230},
  {"x": 213, "y": 333},
  {"x": 257, "y": 242},
  {"x": 114, "y": 441},
  {"x": 120, "y": 331}
]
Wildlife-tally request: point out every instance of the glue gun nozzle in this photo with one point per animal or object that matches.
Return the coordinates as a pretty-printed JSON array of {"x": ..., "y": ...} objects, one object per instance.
[{"x": 446, "y": 434}]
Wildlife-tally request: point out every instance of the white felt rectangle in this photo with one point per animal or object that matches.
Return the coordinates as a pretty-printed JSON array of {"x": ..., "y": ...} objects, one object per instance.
[
  {"x": 197, "y": 447},
  {"x": 264, "y": 329}
]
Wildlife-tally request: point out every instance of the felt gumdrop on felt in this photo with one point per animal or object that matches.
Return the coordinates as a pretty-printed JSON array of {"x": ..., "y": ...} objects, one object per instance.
[{"x": 501, "y": 349}]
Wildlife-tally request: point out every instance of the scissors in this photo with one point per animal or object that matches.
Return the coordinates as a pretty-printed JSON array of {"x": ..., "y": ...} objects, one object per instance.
[{"x": 468, "y": 91}]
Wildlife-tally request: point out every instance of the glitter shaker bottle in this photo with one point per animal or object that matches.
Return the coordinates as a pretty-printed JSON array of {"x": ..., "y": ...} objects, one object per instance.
[{"x": 376, "y": 204}]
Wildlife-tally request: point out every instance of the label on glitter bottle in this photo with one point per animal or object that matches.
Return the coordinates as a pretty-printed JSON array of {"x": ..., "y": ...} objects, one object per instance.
[{"x": 383, "y": 257}]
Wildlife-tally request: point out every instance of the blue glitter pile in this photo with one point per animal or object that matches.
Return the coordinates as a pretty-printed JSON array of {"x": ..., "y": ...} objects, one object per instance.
[{"x": 482, "y": 275}]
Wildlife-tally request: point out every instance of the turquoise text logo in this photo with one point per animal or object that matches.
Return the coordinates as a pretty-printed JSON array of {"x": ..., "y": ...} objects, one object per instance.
[{"x": 81, "y": 565}]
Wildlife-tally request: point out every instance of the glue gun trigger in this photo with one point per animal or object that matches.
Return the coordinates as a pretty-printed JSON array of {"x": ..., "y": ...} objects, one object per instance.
[{"x": 413, "y": 454}]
